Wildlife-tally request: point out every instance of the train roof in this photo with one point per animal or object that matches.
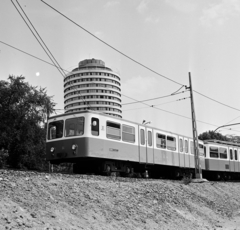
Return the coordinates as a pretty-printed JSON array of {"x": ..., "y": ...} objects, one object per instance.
[
  {"x": 117, "y": 118},
  {"x": 222, "y": 142}
]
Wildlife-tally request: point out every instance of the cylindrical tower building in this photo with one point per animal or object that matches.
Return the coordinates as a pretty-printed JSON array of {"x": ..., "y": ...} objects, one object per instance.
[{"x": 93, "y": 86}]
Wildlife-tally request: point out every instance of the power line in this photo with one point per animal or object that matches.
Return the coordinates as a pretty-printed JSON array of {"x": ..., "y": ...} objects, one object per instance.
[
  {"x": 52, "y": 57},
  {"x": 37, "y": 38},
  {"x": 216, "y": 101},
  {"x": 111, "y": 46},
  {"x": 155, "y": 105},
  {"x": 41, "y": 38},
  {"x": 31, "y": 55},
  {"x": 149, "y": 106},
  {"x": 232, "y": 120},
  {"x": 130, "y": 103}
]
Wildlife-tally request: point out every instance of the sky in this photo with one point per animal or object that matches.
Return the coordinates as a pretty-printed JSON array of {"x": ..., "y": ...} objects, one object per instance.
[{"x": 170, "y": 37}]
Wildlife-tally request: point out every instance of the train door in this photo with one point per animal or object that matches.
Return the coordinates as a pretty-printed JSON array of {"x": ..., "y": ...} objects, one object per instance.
[
  {"x": 146, "y": 154},
  {"x": 236, "y": 169},
  {"x": 149, "y": 148},
  {"x": 238, "y": 160},
  {"x": 191, "y": 156},
  {"x": 181, "y": 152},
  {"x": 142, "y": 145},
  {"x": 231, "y": 160},
  {"x": 187, "y": 153}
]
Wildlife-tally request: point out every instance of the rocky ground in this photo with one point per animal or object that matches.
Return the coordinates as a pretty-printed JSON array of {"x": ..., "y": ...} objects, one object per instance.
[{"x": 33, "y": 200}]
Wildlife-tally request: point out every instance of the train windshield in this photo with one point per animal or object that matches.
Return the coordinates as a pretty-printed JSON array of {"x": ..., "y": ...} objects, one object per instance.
[
  {"x": 74, "y": 127},
  {"x": 55, "y": 130}
]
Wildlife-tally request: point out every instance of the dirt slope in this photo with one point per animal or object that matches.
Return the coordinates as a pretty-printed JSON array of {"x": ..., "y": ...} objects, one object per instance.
[{"x": 31, "y": 200}]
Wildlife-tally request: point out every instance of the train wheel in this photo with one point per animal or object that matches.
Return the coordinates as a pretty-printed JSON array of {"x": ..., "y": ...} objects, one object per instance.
[{"x": 108, "y": 170}]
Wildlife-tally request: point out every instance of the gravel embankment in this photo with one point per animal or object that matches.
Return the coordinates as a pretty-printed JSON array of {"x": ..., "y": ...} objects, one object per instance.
[{"x": 32, "y": 200}]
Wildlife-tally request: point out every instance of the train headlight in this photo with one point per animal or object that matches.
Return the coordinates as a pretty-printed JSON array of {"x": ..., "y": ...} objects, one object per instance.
[
  {"x": 74, "y": 147},
  {"x": 52, "y": 150}
]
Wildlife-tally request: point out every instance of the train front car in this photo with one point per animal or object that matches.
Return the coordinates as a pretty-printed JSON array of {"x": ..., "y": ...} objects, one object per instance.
[{"x": 66, "y": 138}]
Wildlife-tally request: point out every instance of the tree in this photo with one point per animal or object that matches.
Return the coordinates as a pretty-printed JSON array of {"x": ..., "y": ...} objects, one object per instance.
[
  {"x": 210, "y": 135},
  {"x": 24, "y": 109}
]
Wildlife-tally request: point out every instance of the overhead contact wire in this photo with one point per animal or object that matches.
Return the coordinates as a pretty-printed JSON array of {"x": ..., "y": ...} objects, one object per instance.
[
  {"x": 111, "y": 45},
  {"x": 156, "y": 98},
  {"x": 39, "y": 37}
]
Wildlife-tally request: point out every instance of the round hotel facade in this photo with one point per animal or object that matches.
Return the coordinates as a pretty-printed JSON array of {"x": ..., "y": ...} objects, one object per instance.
[{"x": 93, "y": 86}]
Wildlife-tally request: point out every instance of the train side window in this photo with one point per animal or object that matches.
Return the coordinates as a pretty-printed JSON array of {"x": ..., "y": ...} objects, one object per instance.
[
  {"x": 74, "y": 127},
  {"x": 128, "y": 133},
  {"x": 171, "y": 143},
  {"x": 214, "y": 152},
  {"x": 181, "y": 145},
  {"x": 95, "y": 126},
  {"x": 235, "y": 153},
  {"x": 191, "y": 147},
  {"x": 161, "y": 141},
  {"x": 186, "y": 146},
  {"x": 149, "y": 138},
  {"x": 113, "y": 130},
  {"x": 205, "y": 151},
  {"x": 55, "y": 130},
  {"x": 223, "y": 153},
  {"x": 201, "y": 150},
  {"x": 231, "y": 154},
  {"x": 142, "y": 135}
]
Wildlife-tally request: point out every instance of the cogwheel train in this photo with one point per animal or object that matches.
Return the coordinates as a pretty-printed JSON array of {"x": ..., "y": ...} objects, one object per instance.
[{"x": 99, "y": 143}]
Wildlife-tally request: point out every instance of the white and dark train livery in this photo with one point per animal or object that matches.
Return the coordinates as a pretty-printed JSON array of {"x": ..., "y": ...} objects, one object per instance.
[{"x": 99, "y": 143}]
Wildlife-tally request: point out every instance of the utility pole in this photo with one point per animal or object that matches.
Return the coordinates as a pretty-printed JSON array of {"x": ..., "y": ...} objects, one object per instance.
[{"x": 198, "y": 170}]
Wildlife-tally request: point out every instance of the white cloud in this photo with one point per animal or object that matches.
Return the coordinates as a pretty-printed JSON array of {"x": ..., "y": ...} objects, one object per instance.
[
  {"x": 152, "y": 19},
  {"x": 142, "y": 7},
  {"x": 221, "y": 12},
  {"x": 111, "y": 4},
  {"x": 138, "y": 87},
  {"x": 186, "y": 6}
]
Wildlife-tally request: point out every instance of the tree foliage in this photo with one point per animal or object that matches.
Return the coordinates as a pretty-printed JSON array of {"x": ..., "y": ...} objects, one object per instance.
[
  {"x": 24, "y": 110},
  {"x": 210, "y": 135}
]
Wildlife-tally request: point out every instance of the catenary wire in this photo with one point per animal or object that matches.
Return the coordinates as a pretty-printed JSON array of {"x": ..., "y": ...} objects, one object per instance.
[
  {"x": 127, "y": 55},
  {"x": 155, "y": 105},
  {"x": 124, "y": 95},
  {"x": 215, "y": 100},
  {"x": 62, "y": 73},
  {"x": 37, "y": 36},
  {"x": 31, "y": 55},
  {"x": 130, "y": 103},
  {"x": 111, "y": 46}
]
